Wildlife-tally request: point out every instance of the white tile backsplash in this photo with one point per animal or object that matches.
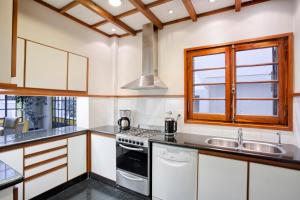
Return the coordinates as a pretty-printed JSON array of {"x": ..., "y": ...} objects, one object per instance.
[{"x": 152, "y": 111}]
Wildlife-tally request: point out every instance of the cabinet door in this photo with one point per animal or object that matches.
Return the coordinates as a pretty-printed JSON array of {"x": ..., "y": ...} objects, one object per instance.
[
  {"x": 104, "y": 156},
  {"x": 77, "y": 73},
  {"x": 221, "y": 178},
  {"x": 269, "y": 182},
  {"x": 19, "y": 79},
  {"x": 46, "y": 67},
  {"x": 76, "y": 156},
  {"x": 6, "y": 13},
  {"x": 14, "y": 159}
]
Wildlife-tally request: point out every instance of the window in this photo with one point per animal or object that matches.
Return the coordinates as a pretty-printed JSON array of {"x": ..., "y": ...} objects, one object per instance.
[
  {"x": 241, "y": 84},
  {"x": 63, "y": 111},
  {"x": 10, "y": 107}
]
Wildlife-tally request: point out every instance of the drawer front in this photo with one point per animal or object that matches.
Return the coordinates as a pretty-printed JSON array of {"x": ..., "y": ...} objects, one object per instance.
[
  {"x": 45, "y": 167},
  {"x": 44, "y": 147},
  {"x": 44, "y": 183},
  {"x": 44, "y": 157}
]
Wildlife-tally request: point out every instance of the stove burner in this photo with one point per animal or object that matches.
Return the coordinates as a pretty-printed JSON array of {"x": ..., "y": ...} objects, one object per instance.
[{"x": 139, "y": 132}]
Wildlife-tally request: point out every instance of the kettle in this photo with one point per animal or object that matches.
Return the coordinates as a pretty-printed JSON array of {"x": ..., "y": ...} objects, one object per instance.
[
  {"x": 170, "y": 126},
  {"x": 124, "y": 123}
]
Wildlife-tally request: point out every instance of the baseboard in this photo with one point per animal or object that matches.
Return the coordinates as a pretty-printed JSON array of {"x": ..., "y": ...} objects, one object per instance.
[
  {"x": 61, "y": 187},
  {"x": 102, "y": 179}
]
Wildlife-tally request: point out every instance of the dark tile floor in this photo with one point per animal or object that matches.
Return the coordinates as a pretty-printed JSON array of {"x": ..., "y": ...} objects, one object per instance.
[{"x": 91, "y": 189}]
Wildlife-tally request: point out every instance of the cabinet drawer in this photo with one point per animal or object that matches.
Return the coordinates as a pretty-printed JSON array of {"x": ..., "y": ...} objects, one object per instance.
[
  {"x": 45, "y": 167},
  {"x": 44, "y": 147},
  {"x": 44, "y": 157},
  {"x": 44, "y": 183}
]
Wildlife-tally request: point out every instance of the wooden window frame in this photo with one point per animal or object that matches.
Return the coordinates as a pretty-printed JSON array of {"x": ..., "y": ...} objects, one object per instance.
[{"x": 284, "y": 121}]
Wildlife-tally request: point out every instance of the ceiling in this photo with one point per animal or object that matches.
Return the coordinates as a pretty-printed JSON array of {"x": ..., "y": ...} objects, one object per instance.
[{"x": 129, "y": 18}]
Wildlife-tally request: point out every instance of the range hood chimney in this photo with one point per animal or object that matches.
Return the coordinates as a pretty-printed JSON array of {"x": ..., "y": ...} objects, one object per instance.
[{"x": 149, "y": 79}]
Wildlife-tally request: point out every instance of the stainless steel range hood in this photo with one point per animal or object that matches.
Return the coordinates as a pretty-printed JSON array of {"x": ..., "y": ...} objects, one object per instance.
[{"x": 149, "y": 79}]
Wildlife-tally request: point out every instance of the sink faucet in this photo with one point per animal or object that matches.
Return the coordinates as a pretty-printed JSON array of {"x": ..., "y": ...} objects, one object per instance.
[
  {"x": 279, "y": 138},
  {"x": 240, "y": 137}
]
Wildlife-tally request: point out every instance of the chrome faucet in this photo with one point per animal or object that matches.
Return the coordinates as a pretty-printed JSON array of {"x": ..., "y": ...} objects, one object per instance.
[
  {"x": 240, "y": 137},
  {"x": 279, "y": 138}
]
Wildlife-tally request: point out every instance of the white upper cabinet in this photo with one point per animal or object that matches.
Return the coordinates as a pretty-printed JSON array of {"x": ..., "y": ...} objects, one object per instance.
[
  {"x": 46, "y": 67},
  {"x": 19, "y": 79},
  {"x": 77, "y": 72},
  {"x": 268, "y": 182},
  {"x": 221, "y": 178},
  {"x": 6, "y": 40}
]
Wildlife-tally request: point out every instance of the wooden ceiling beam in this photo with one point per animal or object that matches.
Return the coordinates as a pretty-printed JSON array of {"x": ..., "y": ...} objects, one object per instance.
[
  {"x": 190, "y": 8},
  {"x": 68, "y": 6},
  {"x": 106, "y": 15},
  {"x": 133, "y": 11},
  {"x": 238, "y": 5},
  {"x": 147, "y": 12}
]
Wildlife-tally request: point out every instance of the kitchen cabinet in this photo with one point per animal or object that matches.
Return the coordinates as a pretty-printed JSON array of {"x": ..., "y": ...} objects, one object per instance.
[
  {"x": 14, "y": 159},
  {"x": 7, "y": 40},
  {"x": 221, "y": 178},
  {"x": 103, "y": 158},
  {"x": 269, "y": 182},
  {"x": 76, "y": 156},
  {"x": 46, "y": 67},
  {"x": 174, "y": 173},
  {"x": 77, "y": 72},
  {"x": 7, "y": 194},
  {"x": 45, "y": 167}
]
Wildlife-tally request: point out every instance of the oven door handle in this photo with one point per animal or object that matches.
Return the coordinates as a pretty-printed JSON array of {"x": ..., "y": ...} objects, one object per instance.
[
  {"x": 131, "y": 148},
  {"x": 130, "y": 178}
]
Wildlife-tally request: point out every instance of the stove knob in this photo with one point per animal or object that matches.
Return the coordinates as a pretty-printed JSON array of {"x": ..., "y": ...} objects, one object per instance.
[
  {"x": 137, "y": 143},
  {"x": 122, "y": 140},
  {"x": 133, "y": 142},
  {"x": 126, "y": 140},
  {"x": 129, "y": 141},
  {"x": 141, "y": 143}
]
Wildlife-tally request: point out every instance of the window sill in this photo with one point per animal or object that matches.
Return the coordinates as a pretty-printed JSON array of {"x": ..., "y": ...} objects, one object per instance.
[{"x": 244, "y": 125}]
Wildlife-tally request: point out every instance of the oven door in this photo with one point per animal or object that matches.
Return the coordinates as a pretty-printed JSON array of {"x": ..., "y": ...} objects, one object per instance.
[{"x": 132, "y": 159}]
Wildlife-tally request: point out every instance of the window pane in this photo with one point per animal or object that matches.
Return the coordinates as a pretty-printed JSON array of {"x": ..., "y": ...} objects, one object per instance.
[
  {"x": 2, "y": 104},
  {"x": 210, "y": 76},
  {"x": 2, "y": 113},
  {"x": 11, "y": 113},
  {"x": 262, "y": 73},
  {"x": 257, "y": 56},
  {"x": 257, "y": 107},
  {"x": 257, "y": 90},
  {"x": 11, "y": 104},
  {"x": 209, "y": 61},
  {"x": 209, "y": 91},
  {"x": 209, "y": 106}
]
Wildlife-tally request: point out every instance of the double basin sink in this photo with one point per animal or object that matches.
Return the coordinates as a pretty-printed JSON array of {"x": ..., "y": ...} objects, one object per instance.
[{"x": 248, "y": 146}]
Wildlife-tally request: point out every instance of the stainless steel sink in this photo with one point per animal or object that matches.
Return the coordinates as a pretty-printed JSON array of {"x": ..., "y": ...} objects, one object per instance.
[
  {"x": 248, "y": 146},
  {"x": 223, "y": 142},
  {"x": 265, "y": 148}
]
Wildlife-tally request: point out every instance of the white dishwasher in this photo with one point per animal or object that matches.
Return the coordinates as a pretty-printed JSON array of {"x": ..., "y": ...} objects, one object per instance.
[{"x": 174, "y": 173}]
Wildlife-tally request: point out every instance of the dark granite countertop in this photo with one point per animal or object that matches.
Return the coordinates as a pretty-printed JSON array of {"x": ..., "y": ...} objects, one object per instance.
[
  {"x": 194, "y": 141},
  {"x": 111, "y": 130},
  {"x": 8, "y": 176},
  {"x": 16, "y": 139}
]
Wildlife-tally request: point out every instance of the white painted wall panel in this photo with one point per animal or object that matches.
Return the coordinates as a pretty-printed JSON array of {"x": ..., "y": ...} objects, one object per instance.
[{"x": 297, "y": 44}]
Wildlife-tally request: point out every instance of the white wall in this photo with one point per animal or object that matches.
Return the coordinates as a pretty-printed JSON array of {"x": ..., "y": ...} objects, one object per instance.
[
  {"x": 264, "y": 19},
  {"x": 82, "y": 112},
  {"x": 297, "y": 45},
  {"x": 43, "y": 25}
]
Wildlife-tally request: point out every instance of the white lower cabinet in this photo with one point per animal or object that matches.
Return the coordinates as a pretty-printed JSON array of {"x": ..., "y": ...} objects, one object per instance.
[
  {"x": 76, "y": 156},
  {"x": 221, "y": 178},
  {"x": 103, "y": 150},
  {"x": 7, "y": 194},
  {"x": 274, "y": 183},
  {"x": 174, "y": 173},
  {"x": 14, "y": 159},
  {"x": 44, "y": 183}
]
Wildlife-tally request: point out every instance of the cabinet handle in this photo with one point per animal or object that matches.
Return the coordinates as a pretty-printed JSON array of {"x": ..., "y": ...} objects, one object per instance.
[
  {"x": 130, "y": 178},
  {"x": 131, "y": 148}
]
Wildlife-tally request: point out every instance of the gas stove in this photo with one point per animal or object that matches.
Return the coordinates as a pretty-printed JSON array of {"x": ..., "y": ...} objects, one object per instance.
[{"x": 137, "y": 136}]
